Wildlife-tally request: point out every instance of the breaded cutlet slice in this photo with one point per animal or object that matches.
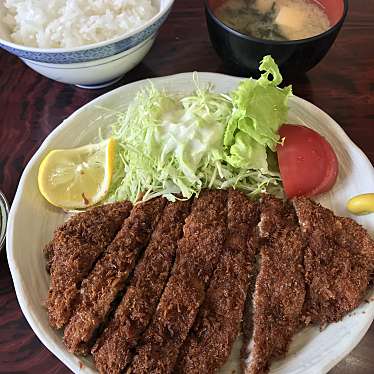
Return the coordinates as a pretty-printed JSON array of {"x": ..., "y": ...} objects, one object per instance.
[
  {"x": 95, "y": 226},
  {"x": 280, "y": 285},
  {"x": 197, "y": 256},
  {"x": 217, "y": 325},
  {"x": 71, "y": 254},
  {"x": 338, "y": 262},
  {"x": 115, "y": 348},
  {"x": 108, "y": 277}
]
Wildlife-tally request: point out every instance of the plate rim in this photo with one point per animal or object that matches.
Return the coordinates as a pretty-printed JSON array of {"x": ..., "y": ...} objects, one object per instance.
[{"x": 15, "y": 273}]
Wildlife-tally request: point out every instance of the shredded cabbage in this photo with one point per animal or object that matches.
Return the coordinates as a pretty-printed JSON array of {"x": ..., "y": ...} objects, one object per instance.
[{"x": 174, "y": 146}]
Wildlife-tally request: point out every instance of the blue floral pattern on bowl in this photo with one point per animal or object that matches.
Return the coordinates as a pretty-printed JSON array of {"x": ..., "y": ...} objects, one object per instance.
[{"x": 89, "y": 54}]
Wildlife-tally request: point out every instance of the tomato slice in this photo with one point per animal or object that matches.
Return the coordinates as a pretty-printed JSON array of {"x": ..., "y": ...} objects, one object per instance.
[
  {"x": 332, "y": 169},
  {"x": 307, "y": 162}
]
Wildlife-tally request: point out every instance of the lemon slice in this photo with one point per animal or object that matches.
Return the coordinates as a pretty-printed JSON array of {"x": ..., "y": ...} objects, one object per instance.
[{"x": 77, "y": 178}]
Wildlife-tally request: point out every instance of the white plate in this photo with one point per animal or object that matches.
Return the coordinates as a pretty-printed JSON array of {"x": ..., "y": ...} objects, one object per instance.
[{"x": 32, "y": 221}]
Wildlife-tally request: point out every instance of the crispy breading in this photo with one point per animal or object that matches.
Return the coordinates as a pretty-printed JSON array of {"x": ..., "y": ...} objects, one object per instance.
[
  {"x": 338, "y": 262},
  {"x": 115, "y": 348},
  {"x": 197, "y": 256},
  {"x": 107, "y": 279},
  {"x": 48, "y": 252},
  {"x": 71, "y": 254},
  {"x": 93, "y": 226},
  {"x": 217, "y": 325},
  {"x": 280, "y": 288}
]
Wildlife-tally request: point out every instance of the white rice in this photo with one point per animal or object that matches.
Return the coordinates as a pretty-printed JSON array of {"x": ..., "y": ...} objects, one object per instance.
[{"x": 73, "y": 23}]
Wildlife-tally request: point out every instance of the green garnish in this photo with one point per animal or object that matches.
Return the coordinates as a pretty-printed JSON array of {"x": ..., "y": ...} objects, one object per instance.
[{"x": 171, "y": 145}]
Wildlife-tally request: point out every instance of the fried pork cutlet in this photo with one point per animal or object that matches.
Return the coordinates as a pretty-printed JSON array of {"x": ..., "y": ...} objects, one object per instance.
[
  {"x": 280, "y": 289},
  {"x": 114, "y": 350},
  {"x": 338, "y": 261},
  {"x": 71, "y": 254},
  {"x": 218, "y": 322},
  {"x": 197, "y": 256},
  {"x": 107, "y": 279}
]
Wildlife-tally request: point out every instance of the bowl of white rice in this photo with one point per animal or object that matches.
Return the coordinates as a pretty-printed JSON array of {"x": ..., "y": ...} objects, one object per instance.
[{"x": 90, "y": 44}]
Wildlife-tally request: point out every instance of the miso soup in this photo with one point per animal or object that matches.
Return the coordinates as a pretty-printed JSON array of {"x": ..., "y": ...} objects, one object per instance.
[{"x": 274, "y": 19}]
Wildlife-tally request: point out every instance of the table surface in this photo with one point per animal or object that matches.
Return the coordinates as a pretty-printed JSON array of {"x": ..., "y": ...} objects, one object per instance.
[{"x": 31, "y": 106}]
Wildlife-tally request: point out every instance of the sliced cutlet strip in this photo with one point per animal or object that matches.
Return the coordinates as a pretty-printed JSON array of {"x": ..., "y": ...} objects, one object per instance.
[
  {"x": 217, "y": 325},
  {"x": 75, "y": 248},
  {"x": 94, "y": 226},
  {"x": 115, "y": 348},
  {"x": 97, "y": 227},
  {"x": 197, "y": 256},
  {"x": 280, "y": 285},
  {"x": 107, "y": 279},
  {"x": 338, "y": 262}
]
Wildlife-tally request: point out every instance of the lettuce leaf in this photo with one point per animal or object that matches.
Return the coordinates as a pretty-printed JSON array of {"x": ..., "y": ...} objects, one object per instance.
[
  {"x": 260, "y": 107},
  {"x": 246, "y": 153}
]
